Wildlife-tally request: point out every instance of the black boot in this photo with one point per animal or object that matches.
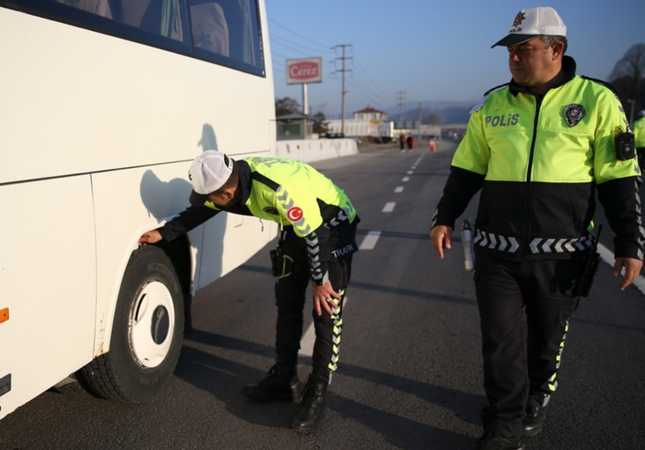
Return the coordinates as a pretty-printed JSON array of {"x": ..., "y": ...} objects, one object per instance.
[
  {"x": 533, "y": 421},
  {"x": 281, "y": 383},
  {"x": 312, "y": 406}
]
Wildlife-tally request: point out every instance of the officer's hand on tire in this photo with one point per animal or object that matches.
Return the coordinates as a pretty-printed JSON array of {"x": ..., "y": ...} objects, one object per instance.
[{"x": 150, "y": 237}]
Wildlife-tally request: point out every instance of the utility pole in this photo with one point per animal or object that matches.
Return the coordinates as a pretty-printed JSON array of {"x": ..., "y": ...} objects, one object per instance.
[
  {"x": 420, "y": 118},
  {"x": 400, "y": 98},
  {"x": 343, "y": 70}
]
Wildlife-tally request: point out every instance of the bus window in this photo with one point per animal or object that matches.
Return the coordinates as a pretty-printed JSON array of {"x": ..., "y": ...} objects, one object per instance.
[
  {"x": 167, "y": 18},
  {"x": 229, "y": 29},
  {"x": 98, "y": 7},
  {"x": 210, "y": 30},
  {"x": 162, "y": 17},
  {"x": 224, "y": 32}
]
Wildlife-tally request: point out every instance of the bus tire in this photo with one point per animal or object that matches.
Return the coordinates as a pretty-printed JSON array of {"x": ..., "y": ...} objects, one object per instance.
[{"x": 146, "y": 334}]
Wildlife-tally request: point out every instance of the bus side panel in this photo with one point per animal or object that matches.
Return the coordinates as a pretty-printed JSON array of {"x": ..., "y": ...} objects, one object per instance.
[
  {"x": 47, "y": 278},
  {"x": 111, "y": 103}
]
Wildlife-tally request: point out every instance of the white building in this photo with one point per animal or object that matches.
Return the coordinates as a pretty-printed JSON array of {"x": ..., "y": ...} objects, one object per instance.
[
  {"x": 365, "y": 123},
  {"x": 370, "y": 114}
]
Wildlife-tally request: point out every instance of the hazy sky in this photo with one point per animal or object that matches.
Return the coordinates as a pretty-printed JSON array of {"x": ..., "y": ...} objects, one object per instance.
[{"x": 431, "y": 50}]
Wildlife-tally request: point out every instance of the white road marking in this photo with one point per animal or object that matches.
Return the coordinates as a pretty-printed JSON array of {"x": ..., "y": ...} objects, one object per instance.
[
  {"x": 410, "y": 172},
  {"x": 370, "y": 240},
  {"x": 398, "y": 189},
  {"x": 389, "y": 207},
  {"x": 405, "y": 179}
]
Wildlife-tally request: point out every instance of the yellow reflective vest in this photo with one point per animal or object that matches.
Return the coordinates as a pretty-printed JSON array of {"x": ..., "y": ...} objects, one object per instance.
[
  {"x": 538, "y": 160},
  {"x": 286, "y": 191},
  {"x": 292, "y": 193}
]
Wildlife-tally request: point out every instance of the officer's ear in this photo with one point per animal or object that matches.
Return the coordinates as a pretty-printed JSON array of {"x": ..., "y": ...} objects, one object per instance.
[
  {"x": 228, "y": 193},
  {"x": 557, "y": 50}
]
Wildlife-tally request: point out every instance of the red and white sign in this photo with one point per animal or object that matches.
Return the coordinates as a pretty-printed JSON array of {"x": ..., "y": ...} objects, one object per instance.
[{"x": 304, "y": 71}]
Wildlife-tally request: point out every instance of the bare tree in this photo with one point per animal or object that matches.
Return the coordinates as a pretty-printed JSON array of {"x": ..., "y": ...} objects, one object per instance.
[
  {"x": 320, "y": 125},
  {"x": 285, "y": 106},
  {"x": 628, "y": 77}
]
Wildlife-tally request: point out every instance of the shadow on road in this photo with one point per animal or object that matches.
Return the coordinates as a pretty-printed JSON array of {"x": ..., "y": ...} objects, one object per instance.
[{"x": 223, "y": 378}]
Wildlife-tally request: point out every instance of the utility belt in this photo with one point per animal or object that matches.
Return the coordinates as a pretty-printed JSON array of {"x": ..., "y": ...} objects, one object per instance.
[
  {"x": 590, "y": 264},
  {"x": 342, "y": 243}
]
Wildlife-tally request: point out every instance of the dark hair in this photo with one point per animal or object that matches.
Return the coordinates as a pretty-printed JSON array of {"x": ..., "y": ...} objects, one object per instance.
[
  {"x": 550, "y": 40},
  {"x": 232, "y": 181}
]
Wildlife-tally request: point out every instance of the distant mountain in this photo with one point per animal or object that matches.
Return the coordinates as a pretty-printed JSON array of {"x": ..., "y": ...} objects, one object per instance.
[{"x": 448, "y": 112}]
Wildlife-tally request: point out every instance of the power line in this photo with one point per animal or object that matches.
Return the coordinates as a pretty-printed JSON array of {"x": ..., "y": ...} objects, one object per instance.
[
  {"x": 362, "y": 90},
  {"x": 380, "y": 93},
  {"x": 285, "y": 42},
  {"x": 292, "y": 48},
  {"x": 300, "y": 36}
]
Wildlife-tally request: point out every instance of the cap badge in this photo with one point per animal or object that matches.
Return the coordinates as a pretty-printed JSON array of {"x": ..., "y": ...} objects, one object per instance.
[
  {"x": 573, "y": 114},
  {"x": 517, "y": 23}
]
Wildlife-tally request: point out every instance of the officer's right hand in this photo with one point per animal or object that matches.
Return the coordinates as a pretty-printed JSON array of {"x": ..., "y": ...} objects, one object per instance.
[
  {"x": 441, "y": 237},
  {"x": 632, "y": 268},
  {"x": 150, "y": 237}
]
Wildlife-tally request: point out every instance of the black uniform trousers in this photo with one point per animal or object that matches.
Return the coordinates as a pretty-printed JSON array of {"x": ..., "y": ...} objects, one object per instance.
[
  {"x": 290, "y": 292},
  {"x": 524, "y": 310}
]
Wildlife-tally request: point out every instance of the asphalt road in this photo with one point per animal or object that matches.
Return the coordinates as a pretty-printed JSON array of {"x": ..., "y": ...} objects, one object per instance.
[{"x": 410, "y": 371}]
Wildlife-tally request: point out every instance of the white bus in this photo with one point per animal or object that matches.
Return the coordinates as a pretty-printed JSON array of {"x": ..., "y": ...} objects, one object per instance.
[{"x": 103, "y": 105}]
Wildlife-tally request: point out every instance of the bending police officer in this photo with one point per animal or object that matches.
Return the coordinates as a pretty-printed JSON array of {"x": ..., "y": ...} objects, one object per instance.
[
  {"x": 537, "y": 147},
  {"x": 317, "y": 241}
]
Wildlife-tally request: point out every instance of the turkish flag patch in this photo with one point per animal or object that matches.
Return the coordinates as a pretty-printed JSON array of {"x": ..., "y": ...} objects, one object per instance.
[{"x": 294, "y": 214}]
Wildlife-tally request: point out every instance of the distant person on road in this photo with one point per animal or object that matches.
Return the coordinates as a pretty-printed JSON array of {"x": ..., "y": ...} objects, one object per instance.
[
  {"x": 639, "y": 137},
  {"x": 410, "y": 142},
  {"x": 402, "y": 142},
  {"x": 317, "y": 241},
  {"x": 539, "y": 148},
  {"x": 432, "y": 144}
]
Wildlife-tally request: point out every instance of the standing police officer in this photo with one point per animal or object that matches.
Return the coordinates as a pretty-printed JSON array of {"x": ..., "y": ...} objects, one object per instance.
[
  {"x": 538, "y": 148},
  {"x": 317, "y": 240}
]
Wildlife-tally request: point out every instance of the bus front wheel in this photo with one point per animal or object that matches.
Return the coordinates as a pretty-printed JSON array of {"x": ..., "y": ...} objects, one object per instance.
[{"x": 146, "y": 335}]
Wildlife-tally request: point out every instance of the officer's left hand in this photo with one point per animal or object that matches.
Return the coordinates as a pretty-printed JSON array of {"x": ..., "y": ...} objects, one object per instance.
[
  {"x": 632, "y": 270},
  {"x": 325, "y": 298}
]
